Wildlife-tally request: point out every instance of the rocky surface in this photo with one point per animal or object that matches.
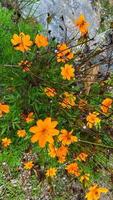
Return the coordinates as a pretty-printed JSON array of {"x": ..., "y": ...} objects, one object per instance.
[{"x": 58, "y": 16}]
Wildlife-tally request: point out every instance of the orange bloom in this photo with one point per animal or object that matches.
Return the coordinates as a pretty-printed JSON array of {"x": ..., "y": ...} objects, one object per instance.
[
  {"x": 73, "y": 169},
  {"x": 67, "y": 138},
  {"x": 25, "y": 65},
  {"x": 6, "y": 142},
  {"x": 3, "y": 109},
  {"x": 84, "y": 178},
  {"x": 28, "y": 165},
  {"x": 64, "y": 53},
  {"x": 52, "y": 151},
  {"x": 44, "y": 131},
  {"x": 68, "y": 101},
  {"x": 62, "y": 153},
  {"x": 51, "y": 172},
  {"x": 106, "y": 104},
  {"x": 82, "y": 157},
  {"x": 92, "y": 119},
  {"x": 21, "y": 42},
  {"x": 30, "y": 117},
  {"x": 82, "y": 25},
  {"x": 67, "y": 72},
  {"x": 50, "y": 92},
  {"x": 21, "y": 133},
  {"x": 94, "y": 192},
  {"x": 41, "y": 41}
]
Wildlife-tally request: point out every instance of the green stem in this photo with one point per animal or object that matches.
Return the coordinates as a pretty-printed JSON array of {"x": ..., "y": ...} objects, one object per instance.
[{"x": 96, "y": 144}]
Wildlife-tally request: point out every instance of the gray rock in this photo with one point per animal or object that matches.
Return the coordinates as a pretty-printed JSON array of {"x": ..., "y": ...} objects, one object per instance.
[{"x": 63, "y": 13}]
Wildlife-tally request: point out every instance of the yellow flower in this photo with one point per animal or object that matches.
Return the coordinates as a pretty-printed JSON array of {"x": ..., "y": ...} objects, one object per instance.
[
  {"x": 92, "y": 119},
  {"x": 4, "y": 109},
  {"x": 64, "y": 53},
  {"x": 67, "y": 72},
  {"x": 6, "y": 142},
  {"x": 28, "y": 165},
  {"x": 82, "y": 157},
  {"x": 82, "y": 25},
  {"x": 95, "y": 192},
  {"x": 41, "y": 41},
  {"x": 21, "y": 42},
  {"x": 67, "y": 138},
  {"x": 30, "y": 117},
  {"x": 51, "y": 172},
  {"x": 73, "y": 169},
  {"x": 44, "y": 131},
  {"x": 68, "y": 101},
  {"x": 21, "y": 133},
  {"x": 50, "y": 92},
  {"x": 106, "y": 104},
  {"x": 84, "y": 178}
]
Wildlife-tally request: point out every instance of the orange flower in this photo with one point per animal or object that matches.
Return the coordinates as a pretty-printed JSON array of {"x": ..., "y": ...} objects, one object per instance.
[
  {"x": 68, "y": 101},
  {"x": 82, "y": 25},
  {"x": 30, "y": 117},
  {"x": 92, "y": 119},
  {"x": 82, "y": 157},
  {"x": 67, "y": 72},
  {"x": 52, "y": 151},
  {"x": 28, "y": 165},
  {"x": 62, "y": 153},
  {"x": 64, "y": 53},
  {"x": 73, "y": 169},
  {"x": 21, "y": 133},
  {"x": 67, "y": 138},
  {"x": 50, "y": 92},
  {"x": 41, "y": 41},
  {"x": 21, "y": 42},
  {"x": 51, "y": 172},
  {"x": 25, "y": 65},
  {"x": 6, "y": 142},
  {"x": 106, "y": 104},
  {"x": 84, "y": 178},
  {"x": 3, "y": 109},
  {"x": 95, "y": 192},
  {"x": 44, "y": 131}
]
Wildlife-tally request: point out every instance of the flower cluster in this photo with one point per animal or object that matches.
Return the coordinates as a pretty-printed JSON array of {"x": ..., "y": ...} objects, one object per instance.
[
  {"x": 106, "y": 104},
  {"x": 62, "y": 100},
  {"x": 23, "y": 43},
  {"x": 64, "y": 53}
]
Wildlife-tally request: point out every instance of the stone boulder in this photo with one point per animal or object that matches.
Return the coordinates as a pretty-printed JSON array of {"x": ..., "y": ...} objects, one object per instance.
[{"x": 58, "y": 16}]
